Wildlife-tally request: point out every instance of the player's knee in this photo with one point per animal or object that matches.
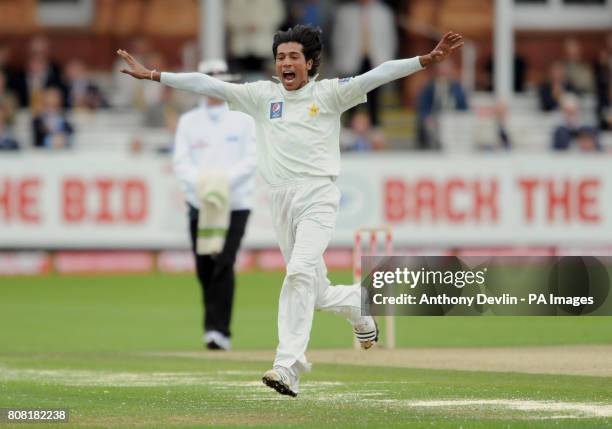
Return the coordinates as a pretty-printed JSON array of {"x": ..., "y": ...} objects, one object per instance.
[{"x": 300, "y": 272}]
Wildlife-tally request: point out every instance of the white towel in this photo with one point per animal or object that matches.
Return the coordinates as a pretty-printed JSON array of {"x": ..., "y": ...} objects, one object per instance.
[{"x": 214, "y": 218}]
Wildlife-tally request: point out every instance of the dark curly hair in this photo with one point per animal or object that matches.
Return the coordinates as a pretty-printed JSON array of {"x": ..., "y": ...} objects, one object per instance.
[{"x": 311, "y": 39}]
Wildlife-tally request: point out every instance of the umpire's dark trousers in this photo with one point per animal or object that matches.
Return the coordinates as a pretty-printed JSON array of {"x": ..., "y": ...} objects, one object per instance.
[{"x": 216, "y": 273}]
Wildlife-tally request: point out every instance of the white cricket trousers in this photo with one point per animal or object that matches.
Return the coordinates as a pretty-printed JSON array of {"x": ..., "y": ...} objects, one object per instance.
[{"x": 304, "y": 215}]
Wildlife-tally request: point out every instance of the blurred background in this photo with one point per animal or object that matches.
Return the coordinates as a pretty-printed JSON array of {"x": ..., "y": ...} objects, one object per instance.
[{"x": 502, "y": 150}]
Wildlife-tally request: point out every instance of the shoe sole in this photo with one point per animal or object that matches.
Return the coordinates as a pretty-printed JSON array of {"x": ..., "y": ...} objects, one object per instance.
[
  {"x": 279, "y": 386},
  {"x": 367, "y": 344},
  {"x": 214, "y": 346}
]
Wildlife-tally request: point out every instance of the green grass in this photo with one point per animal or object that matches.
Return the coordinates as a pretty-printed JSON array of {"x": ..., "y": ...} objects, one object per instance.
[
  {"x": 370, "y": 397},
  {"x": 84, "y": 343}
]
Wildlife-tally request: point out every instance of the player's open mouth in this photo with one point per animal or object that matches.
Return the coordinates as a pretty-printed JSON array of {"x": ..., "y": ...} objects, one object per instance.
[{"x": 288, "y": 76}]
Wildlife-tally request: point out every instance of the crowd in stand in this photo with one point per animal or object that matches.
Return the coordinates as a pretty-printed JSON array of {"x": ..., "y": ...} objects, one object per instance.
[
  {"x": 46, "y": 91},
  {"x": 570, "y": 80},
  {"x": 569, "y": 83},
  {"x": 359, "y": 35}
]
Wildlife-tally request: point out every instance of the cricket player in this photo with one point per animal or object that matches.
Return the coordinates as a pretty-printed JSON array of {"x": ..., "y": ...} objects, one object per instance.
[
  {"x": 212, "y": 139},
  {"x": 298, "y": 128}
]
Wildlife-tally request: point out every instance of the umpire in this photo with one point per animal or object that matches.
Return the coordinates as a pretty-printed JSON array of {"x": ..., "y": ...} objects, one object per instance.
[{"x": 213, "y": 138}]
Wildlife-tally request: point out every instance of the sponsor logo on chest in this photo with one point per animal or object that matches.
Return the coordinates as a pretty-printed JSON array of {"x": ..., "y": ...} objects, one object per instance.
[{"x": 276, "y": 110}]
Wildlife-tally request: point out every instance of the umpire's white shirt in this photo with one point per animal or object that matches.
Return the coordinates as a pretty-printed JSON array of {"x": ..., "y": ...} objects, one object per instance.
[{"x": 213, "y": 138}]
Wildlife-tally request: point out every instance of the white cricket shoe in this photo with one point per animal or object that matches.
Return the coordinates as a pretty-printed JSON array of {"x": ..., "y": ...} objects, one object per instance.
[
  {"x": 215, "y": 340},
  {"x": 366, "y": 331},
  {"x": 283, "y": 380}
]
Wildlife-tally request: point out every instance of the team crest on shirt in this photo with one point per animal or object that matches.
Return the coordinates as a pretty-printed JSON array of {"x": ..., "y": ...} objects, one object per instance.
[
  {"x": 276, "y": 110},
  {"x": 313, "y": 110}
]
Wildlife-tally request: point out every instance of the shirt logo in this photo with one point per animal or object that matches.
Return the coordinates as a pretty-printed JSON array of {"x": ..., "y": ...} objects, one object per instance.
[
  {"x": 344, "y": 80},
  {"x": 276, "y": 110},
  {"x": 313, "y": 110}
]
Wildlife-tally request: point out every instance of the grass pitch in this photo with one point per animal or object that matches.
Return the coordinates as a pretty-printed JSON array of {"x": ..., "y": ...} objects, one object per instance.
[{"x": 124, "y": 351}]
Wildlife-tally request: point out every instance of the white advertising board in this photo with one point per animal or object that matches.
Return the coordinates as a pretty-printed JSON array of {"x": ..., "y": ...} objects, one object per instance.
[{"x": 55, "y": 200}]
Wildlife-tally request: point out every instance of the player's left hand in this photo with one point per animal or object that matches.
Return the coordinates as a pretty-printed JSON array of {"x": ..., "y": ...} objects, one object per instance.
[{"x": 448, "y": 44}]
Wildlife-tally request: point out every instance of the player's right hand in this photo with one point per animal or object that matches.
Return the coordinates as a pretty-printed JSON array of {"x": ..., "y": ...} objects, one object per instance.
[{"x": 134, "y": 69}]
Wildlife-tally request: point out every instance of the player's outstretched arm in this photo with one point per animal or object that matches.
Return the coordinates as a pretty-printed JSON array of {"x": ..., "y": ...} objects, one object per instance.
[
  {"x": 192, "y": 82},
  {"x": 396, "y": 69}
]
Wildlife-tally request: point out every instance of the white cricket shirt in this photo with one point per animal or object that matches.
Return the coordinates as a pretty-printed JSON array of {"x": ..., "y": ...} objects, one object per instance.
[{"x": 298, "y": 132}]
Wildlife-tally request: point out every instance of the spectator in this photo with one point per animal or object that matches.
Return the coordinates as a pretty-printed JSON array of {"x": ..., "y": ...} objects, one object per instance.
[
  {"x": 442, "y": 93},
  {"x": 493, "y": 129},
  {"x": 5, "y": 69},
  {"x": 10, "y": 74},
  {"x": 364, "y": 37},
  {"x": 603, "y": 89},
  {"x": 361, "y": 137},
  {"x": 160, "y": 104},
  {"x": 4, "y": 58},
  {"x": 578, "y": 74},
  {"x": 163, "y": 110},
  {"x": 7, "y": 100},
  {"x": 7, "y": 142},
  {"x": 51, "y": 129},
  {"x": 520, "y": 73},
  {"x": 311, "y": 12},
  {"x": 39, "y": 74},
  {"x": 83, "y": 93},
  {"x": 136, "y": 147},
  {"x": 587, "y": 141},
  {"x": 252, "y": 24},
  {"x": 551, "y": 91},
  {"x": 571, "y": 129}
]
